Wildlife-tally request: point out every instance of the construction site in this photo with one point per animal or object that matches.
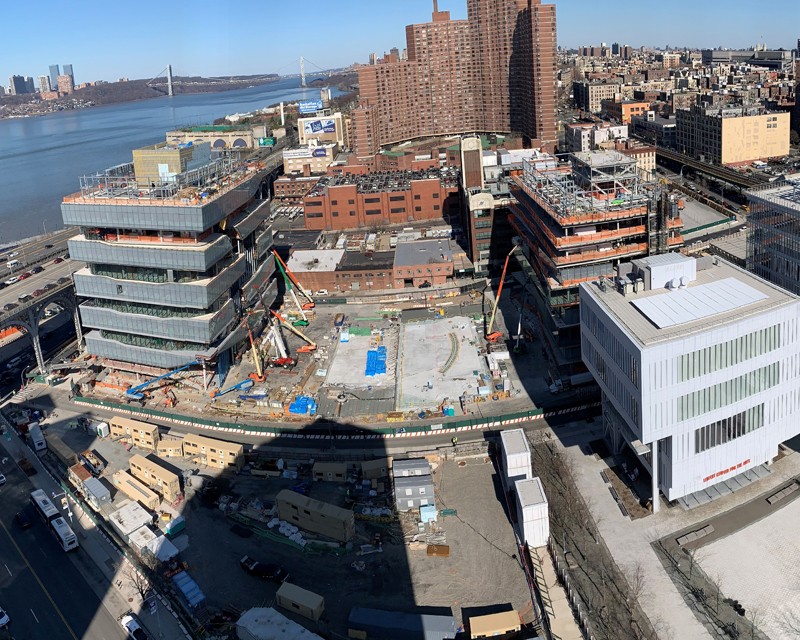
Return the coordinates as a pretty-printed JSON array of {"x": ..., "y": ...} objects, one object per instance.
[{"x": 366, "y": 363}]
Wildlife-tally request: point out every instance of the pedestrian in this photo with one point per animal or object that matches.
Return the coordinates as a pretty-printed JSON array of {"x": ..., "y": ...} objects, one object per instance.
[{"x": 454, "y": 440}]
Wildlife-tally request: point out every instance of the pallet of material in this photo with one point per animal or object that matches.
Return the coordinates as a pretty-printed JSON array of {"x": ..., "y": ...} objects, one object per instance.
[{"x": 439, "y": 550}]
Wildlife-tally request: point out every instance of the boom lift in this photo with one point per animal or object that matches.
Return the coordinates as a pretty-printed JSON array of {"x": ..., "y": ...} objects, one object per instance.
[
  {"x": 136, "y": 392},
  {"x": 244, "y": 384},
  {"x": 311, "y": 346},
  {"x": 496, "y": 336},
  {"x": 282, "y": 359},
  {"x": 290, "y": 291},
  {"x": 308, "y": 305},
  {"x": 258, "y": 375}
]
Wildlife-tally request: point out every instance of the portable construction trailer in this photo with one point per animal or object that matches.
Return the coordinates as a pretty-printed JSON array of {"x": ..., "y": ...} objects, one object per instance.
[
  {"x": 61, "y": 450},
  {"x": 532, "y": 512},
  {"x": 330, "y": 471},
  {"x": 141, "y": 434},
  {"x": 516, "y": 456},
  {"x": 494, "y": 624},
  {"x": 135, "y": 490},
  {"x": 154, "y": 475},
  {"x": 170, "y": 448},
  {"x": 214, "y": 453},
  {"x": 96, "y": 493},
  {"x": 375, "y": 469},
  {"x": 316, "y": 516},
  {"x": 411, "y": 467},
  {"x": 300, "y": 601},
  {"x": 412, "y": 492}
]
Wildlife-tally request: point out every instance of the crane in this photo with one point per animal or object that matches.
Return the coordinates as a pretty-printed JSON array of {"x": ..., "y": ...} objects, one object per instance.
[
  {"x": 136, "y": 392},
  {"x": 258, "y": 375},
  {"x": 311, "y": 346},
  {"x": 495, "y": 336},
  {"x": 308, "y": 305},
  {"x": 244, "y": 384},
  {"x": 290, "y": 291}
]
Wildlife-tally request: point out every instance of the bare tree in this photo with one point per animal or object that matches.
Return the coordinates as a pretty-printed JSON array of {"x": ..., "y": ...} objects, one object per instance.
[{"x": 137, "y": 579}]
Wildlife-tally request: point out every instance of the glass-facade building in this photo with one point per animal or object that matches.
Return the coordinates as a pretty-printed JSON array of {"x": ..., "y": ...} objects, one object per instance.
[{"x": 174, "y": 256}]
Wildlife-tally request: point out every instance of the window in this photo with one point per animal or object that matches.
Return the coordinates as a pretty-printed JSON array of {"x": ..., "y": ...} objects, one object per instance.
[
  {"x": 417, "y": 208},
  {"x": 417, "y": 197},
  {"x": 409, "y": 492},
  {"x": 371, "y": 200},
  {"x": 398, "y": 210},
  {"x": 314, "y": 203},
  {"x": 396, "y": 198},
  {"x": 372, "y": 212},
  {"x": 435, "y": 196},
  {"x": 351, "y": 202}
]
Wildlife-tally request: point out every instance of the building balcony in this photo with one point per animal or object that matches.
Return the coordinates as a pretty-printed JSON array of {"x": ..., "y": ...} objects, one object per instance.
[
  {"x": 201, "y": 329},
  {"x": 199, "y": 294},
  {"x": 262, "y": 286},
  {"x": 130, "y": 208},
  {"x": 180, "y": 257}
]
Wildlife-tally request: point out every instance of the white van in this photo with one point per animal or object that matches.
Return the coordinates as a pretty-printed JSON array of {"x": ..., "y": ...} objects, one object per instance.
[{"x": 13, "y": 264}]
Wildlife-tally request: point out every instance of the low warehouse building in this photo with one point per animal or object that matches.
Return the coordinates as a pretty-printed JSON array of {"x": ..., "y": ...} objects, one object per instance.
[{"x": 316, "y": 516}]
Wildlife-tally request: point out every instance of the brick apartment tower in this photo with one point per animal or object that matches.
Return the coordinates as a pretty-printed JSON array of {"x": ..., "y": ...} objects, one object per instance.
[{"x": 496, "y": 72}]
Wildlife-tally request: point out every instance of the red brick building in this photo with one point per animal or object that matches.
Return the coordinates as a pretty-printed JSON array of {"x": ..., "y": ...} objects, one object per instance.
[
  {"x": 494, "y": 72},
  {"x": 293, "y": 188},
  {"x": 381, "y": 199}
]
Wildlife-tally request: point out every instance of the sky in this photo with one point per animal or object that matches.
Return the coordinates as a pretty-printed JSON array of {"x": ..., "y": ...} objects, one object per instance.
[{"x": 107, "y": 40}]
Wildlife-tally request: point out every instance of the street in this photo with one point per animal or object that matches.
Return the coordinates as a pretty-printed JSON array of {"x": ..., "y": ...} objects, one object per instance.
[{"x": 40, "y": 588}]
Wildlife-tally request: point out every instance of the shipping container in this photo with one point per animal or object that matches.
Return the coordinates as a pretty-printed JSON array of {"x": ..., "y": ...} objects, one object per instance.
[{"x": 516, "y": 456}]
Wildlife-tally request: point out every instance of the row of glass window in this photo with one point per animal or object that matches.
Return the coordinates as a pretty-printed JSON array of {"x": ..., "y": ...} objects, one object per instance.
[
  {"x": 727, "y": 429},
  {"x": 145, "y": 309},
  {"x": 728, "y": 392},
  {"x": 727, "y": 354},
  {"x": 152, "y": 343}
]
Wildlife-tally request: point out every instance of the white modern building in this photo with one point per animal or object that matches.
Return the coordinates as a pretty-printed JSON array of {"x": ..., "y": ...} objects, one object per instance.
[{"x": 699, "y": 364}]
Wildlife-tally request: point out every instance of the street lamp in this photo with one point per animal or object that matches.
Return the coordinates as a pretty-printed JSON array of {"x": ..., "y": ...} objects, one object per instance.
[{"x": 64, "y": 502}]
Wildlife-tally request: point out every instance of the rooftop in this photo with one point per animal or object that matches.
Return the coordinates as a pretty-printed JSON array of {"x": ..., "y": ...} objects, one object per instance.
[
  {"x": 355, "y": 260},
  {"x": 387, "y": 180},
  {"x": 530, "y": 492},
  {"x": 596, "y": 159},
  {"x": 716, "y": 295},
  {"x": 410, "y": 254},
  {"x": 315, "y": 260},
  {"x": 786, "y": 194}
]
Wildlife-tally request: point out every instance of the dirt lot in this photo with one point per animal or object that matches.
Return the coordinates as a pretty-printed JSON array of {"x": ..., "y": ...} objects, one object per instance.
[{"x": 480, "y": 571}]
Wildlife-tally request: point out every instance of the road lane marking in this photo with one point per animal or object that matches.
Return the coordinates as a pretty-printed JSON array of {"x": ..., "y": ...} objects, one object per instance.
[
  {"x": 41, "y": 585},
  {"x": 9, "y": 570},
  {"x": 34, "y": 615}
]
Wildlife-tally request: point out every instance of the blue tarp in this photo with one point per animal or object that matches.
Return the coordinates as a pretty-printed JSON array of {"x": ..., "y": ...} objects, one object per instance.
[
  {"x": 188, "y": 587},
  {"x": 376, "y": 362}
]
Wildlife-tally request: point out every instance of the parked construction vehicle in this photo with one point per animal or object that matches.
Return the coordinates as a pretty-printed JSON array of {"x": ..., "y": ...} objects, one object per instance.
[
  {"x": 496, "y": 336},
  {"x": 287, "y": 273},
  {"x": 244, "y": 384},
  {"x": 136, "y": 392},
  {"x": 308, "y": 348},
  {"x": 282, "y": 359}
]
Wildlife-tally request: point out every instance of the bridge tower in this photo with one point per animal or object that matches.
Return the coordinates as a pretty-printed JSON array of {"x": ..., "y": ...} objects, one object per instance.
[
  {"x": 303, "y": 72},
  {"x": 169, "y": 79}
]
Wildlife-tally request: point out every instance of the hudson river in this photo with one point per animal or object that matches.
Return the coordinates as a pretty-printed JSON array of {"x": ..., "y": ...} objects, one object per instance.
[{"x": 42, "y": 158}]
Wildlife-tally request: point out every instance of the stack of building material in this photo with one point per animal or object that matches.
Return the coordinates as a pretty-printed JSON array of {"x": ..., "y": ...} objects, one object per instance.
[{"x": 376, "y": 362}]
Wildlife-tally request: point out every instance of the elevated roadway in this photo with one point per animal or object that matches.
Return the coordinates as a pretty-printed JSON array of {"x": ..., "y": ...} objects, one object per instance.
[
  {"x": 35, "y": 251},
  {"x": 20, "y": 308},
  {"x": 741, "y": 180}
]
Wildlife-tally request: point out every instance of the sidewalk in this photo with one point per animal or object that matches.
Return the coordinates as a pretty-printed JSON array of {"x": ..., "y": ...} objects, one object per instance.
[{"x": 108, "y": 573}]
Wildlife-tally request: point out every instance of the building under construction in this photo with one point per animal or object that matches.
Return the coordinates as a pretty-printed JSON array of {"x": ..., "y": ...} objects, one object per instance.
[{"x": 578, "y": 220}]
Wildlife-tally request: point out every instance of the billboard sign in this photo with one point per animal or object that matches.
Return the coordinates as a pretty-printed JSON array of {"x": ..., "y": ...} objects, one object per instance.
[
  {"x": 327, "y": 125},
  {"x": 320, "y": 153},
  {"x": 310, "y": 106},
  {"x": 266, "y": 142}
]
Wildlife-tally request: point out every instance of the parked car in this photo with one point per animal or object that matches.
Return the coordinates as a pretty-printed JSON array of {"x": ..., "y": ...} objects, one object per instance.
[
  {"x": 3, "y": 285},
  {"x": 50, "y": 285},
  {"x": 133, "y": 627},
  {"x": 38, "y": 292},
  {"x": 48, "y": 246},
  {"x": 425, "y": 285},
  {"x": 12, "y": 280},
  {"x": 25, "y": 275},
  {"x": 23, "y": 520},
  {"x": 322, "y": 292},
  {"x": 58, "y": 260},
  {"x": 265, "y": 571},
  {"x": 62, "y": 280},
  {"x": 4, "y": 619},
  {"x": 37, "y": 269},
  {"x": 9, "y": 306},
  {"x": 25, "y": 297}
]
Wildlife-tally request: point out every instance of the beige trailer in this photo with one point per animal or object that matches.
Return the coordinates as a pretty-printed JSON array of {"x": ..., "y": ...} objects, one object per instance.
[
  {"x": 300, "y": 601},
  {"x": 135, "y": 490}
]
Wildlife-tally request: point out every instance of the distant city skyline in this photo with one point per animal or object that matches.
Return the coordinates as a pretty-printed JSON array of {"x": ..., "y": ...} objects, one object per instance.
[{"x": 97, "y": 40}]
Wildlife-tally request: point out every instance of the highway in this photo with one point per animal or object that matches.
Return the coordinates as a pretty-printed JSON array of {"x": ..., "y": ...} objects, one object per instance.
[
  {"x": 52, "y": 272},
  {"x": 35, "y": 251},
  {"x": 40, "y": 589}
]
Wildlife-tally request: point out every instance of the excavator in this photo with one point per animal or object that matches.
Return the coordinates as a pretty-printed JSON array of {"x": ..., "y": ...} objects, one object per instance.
[
  {"x": 496, "y": 336},
  {"x": 287, "y": 272},
  {"x": 308, "y": 348}
]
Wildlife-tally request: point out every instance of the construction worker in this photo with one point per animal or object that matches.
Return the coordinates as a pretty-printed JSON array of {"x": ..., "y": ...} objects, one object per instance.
[{"x": 454, "y": 440}]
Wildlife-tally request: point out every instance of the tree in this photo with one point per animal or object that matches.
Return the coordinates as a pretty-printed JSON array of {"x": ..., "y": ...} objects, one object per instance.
[{"x": 138, "y": 580}]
